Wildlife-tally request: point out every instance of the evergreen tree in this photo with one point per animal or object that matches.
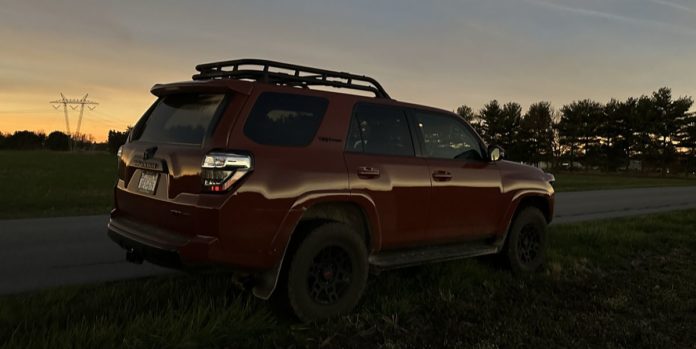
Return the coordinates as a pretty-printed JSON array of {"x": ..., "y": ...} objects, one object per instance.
[
  {"x": 468, "y": 114},
  {"x": 490, "y": 115},
  {"x": 669, "y": 118},
  {"x": 536, "y": 133},
  {"x": 687, "y": 140},
  {"x": 509, "y": 129}
]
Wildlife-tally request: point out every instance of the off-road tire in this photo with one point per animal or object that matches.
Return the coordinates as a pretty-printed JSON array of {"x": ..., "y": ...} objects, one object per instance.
[
  {"x": 331, "y": 252},
  {"x": 525, "y": 246}
]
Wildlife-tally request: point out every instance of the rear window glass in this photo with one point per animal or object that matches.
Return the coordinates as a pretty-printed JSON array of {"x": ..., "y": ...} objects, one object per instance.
[
  {"x": 181, "y": 118},
  {"x": 285, "y": 119}
]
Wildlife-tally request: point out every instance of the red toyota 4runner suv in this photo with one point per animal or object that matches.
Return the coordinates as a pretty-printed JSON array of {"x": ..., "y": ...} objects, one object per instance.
[{"x": 251, "y": 167}]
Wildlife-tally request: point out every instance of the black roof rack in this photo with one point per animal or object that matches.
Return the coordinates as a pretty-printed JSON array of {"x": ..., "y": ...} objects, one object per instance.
[{"x": 293, "y": 75}]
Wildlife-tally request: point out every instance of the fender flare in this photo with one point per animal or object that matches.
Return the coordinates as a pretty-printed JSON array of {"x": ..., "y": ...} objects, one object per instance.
[
  {"x": 267, "y": 282},
  {"x": 517, "y": 198}
]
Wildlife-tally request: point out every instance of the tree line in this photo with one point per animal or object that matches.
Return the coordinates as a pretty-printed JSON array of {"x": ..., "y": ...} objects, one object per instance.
[
  {"x": 56, "y": 140},
  {"x": 60, "y": 141},
  {"x": 650, "y": 133}
]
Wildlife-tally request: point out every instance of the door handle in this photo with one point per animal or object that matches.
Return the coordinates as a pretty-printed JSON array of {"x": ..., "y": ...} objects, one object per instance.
[
  {"x": 442, "y": 176},
  {"x": 368, "y": 172}
]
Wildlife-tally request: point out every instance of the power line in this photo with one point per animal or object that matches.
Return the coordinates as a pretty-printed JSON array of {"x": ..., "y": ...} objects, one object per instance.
[
  {"x": 105, "y": 114},
  {"x": 111, "y": 121},
  {"x": 110, "y": 117},
  {"x": 105, "y": 123},
  {"x": 22, "y": 111}
]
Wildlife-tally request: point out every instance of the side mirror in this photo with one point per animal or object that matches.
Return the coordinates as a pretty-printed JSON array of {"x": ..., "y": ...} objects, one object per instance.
[{"x": 495, "y": 153}]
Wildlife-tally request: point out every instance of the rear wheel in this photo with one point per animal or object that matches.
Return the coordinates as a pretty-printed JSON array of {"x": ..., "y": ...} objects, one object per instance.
[
  {"x": 526, "y": 241},
  {"x": 327, "y": 273}
]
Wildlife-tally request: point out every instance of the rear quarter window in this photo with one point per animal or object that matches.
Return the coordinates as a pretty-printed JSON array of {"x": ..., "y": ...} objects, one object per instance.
[{"x": 284, "y": 119}]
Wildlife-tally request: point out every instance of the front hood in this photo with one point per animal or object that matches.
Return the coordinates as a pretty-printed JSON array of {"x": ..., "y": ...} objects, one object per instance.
[
  {"x": 517, "y": 175},
  {"x": 518, "y": 167}
]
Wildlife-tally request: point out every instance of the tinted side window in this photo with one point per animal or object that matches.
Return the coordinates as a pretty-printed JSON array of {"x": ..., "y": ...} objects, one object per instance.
[
  {"x": 380, "y": 130},
  {"x": 447, "y": 138},
  {"x": 285, "y": 119}
]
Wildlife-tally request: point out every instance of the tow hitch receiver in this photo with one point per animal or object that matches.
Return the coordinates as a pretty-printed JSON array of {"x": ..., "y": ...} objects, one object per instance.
[{"x": 134, "y": 256}]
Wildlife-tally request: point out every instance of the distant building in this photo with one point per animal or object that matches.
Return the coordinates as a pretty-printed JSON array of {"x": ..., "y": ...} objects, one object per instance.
[{"x": 635, "y": 165}]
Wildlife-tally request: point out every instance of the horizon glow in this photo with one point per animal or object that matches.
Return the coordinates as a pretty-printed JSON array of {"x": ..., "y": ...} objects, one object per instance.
[{"x": 442, "y": 54}]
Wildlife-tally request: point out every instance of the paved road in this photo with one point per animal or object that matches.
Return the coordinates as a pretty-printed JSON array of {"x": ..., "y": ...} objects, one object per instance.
[
  {"x": 39, "y": 253},
  {"x": 600, "y": 204}
]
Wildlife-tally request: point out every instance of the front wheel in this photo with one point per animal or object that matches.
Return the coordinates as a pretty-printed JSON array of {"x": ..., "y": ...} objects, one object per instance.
[
  {"x": 327, "y": 273},
  {"x": 526, "y": 241}
]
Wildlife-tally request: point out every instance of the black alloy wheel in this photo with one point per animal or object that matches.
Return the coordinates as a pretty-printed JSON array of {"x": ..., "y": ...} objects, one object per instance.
[
  {"x": 329, "y": 275},
  {"x": 529, "y": 244},
  {"x": 524, "y": 249},
  {"x": 328, "y": 272}
]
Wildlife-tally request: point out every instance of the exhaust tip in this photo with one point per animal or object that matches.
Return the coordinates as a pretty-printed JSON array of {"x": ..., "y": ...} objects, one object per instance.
[{"x": 134, "y": 256}]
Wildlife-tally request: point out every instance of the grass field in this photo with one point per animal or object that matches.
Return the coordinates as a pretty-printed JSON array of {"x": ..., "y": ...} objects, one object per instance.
[
  {"x": 567, "y": 181},
  {"x": 44, "y": 183},
  {"x": 619, "y": 283}
]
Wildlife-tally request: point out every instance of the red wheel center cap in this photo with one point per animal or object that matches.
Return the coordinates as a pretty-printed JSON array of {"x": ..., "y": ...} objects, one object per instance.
[{"x": 328, "y": 274}]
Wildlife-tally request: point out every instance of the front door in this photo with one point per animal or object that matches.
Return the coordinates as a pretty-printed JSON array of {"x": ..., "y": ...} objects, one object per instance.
[{"x": 466, "y": 189}]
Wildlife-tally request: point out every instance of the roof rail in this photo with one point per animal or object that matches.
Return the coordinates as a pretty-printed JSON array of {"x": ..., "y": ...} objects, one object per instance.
[{"x": 293, "y": 75}]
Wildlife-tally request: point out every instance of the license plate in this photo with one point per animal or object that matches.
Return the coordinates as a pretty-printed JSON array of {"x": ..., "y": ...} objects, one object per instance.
[{"x": 148, "y": 182}]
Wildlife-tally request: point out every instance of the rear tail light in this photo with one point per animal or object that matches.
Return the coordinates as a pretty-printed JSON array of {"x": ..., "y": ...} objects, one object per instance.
[
  {"x": 221, "y": 170},
  {"x": 120, "y": 166}
]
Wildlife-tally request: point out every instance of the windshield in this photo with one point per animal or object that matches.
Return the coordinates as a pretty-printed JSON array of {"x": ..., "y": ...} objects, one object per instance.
[{"x": 181, "y": 118}]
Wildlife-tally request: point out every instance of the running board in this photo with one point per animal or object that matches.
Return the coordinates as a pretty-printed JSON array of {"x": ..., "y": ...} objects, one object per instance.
[{"x": 430, "y": 254}]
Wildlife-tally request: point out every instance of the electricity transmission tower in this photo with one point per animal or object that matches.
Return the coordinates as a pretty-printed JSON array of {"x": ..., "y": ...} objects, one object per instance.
[{"x": 73, "y": 103}]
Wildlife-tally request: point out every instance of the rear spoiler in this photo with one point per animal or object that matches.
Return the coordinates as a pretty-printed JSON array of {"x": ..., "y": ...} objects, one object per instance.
[{"x": 210, "y": 86}]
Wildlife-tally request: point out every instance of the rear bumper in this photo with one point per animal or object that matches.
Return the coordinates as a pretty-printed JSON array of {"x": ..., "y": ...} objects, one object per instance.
[{"x": 159, "y": 246}]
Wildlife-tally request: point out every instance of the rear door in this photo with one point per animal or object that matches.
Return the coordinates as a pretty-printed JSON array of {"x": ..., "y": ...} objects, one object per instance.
[
  {"x": 466, "y": 194},
  {"x": 382, "y": 165},
  {"x": 160, "y": 166}
]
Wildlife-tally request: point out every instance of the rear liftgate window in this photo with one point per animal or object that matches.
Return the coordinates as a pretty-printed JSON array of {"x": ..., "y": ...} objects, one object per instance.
[
  {"x": 182, "y": 119},
  {"x": 285, "y": 119}
]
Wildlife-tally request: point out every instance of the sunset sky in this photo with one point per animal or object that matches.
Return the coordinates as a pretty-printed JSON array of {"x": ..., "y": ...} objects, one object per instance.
[{"x": 439, "y": 53}]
